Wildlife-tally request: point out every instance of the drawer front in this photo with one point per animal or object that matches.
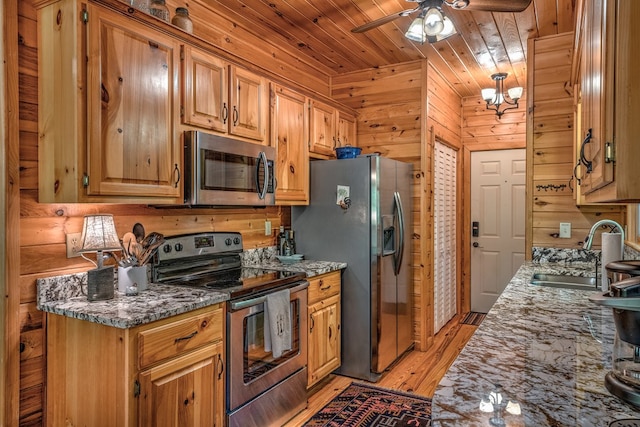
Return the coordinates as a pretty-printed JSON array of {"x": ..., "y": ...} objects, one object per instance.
[
  {"x": 323, "y": 286},
  {"x": 171, "y": 339}
]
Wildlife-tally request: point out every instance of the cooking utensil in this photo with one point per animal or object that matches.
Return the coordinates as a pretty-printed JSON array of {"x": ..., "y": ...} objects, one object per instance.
[
  {"x": 138, "y": 231},
  {"x": 151, "y": 238},
  {"x": 127, "y": 241},
  {"x": 136, "y": 252},
  {"x": 150, "y": 250}
]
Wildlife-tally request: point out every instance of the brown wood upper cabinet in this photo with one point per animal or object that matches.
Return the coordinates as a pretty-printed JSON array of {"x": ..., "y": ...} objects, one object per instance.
[
  {"x": 329, "y": 128},
  {"x": 108, "y": 96},
  {"x": 222, "y": 97},
  {"x": 289, "y": 133},
  {"x": 610, "y": 93}
]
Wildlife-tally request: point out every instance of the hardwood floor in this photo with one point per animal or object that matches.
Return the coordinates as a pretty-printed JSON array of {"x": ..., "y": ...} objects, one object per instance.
[{"x": 415, "y": 372}]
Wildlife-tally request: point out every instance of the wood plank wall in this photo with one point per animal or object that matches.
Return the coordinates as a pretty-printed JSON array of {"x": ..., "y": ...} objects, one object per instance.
[
  {"x": 393, "y": 122},
  {"x": 43, "y": 226},
  {"x": 550, "y": 150}
]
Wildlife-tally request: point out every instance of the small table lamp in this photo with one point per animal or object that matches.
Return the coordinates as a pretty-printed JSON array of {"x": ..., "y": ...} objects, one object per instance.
[{"x": 99, "y": 235}]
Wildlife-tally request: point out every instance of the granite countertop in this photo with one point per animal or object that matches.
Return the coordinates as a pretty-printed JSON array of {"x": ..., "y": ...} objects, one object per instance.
[
  {"x": 62, "y": 295},
  {"x": 548, "y": 348}
]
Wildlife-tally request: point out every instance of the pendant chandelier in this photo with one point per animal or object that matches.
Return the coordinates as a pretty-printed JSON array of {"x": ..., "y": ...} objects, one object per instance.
[{"x": 496, "y": 97}]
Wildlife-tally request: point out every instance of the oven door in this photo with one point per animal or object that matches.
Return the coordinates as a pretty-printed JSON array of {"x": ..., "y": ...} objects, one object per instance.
[
  {"x": 221, "y": 171},
  {"x": 251, "y": 369}
]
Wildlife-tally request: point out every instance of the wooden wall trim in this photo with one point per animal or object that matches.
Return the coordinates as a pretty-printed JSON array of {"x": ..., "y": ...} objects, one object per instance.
[
  {"x": 528, "y": 235},
  {"x": 10, "y": 218},
  {"x": 425, "y": 331}
]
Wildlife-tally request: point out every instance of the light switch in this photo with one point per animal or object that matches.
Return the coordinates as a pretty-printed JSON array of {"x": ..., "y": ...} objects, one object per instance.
[
  {"x": 267, "y": 228},
  {"x": 565, "y": 230}
]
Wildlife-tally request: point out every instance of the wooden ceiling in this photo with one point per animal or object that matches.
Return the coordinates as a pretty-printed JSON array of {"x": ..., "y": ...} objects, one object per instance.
[{"x": 320, "y": 31}]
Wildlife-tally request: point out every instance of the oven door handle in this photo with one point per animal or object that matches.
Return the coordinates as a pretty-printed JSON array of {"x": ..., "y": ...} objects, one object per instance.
[{"x": 239, "y": 305}]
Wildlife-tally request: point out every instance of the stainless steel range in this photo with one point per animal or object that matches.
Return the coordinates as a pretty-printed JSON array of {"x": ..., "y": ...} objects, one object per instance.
[{"x": 260, "y": 389}]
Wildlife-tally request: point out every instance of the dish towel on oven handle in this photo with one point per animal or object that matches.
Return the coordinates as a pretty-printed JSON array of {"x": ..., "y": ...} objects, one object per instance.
[{"x": 277, "y": 323}]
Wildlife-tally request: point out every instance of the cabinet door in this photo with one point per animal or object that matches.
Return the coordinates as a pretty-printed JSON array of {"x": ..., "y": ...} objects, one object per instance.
[
  {"x": 204, "y": 90},
  {"x": 249, "y": 105},
  {"x": 597, "y": 91},
  {"x": 132, "y": 73},
  {"x": 324, "y": 339},
  {"x": 322, "y": 123},
  {"x": 187, "y": 391},
  {"x": 289, "y": 126},
  {"x": 346, "y": 130}
]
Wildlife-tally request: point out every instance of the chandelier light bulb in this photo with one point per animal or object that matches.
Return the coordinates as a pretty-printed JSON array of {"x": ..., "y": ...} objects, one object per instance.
[{"x": 433, "y": 22}]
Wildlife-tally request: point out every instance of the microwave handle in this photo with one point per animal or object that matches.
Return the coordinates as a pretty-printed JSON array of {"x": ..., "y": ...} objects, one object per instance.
[{"x": 262, "y": 158}]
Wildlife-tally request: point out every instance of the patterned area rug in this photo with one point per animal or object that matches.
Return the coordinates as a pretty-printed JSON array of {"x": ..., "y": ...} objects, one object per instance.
[
  {"x": 362, "y": 405},
  {"x": 473, "y": 318}
]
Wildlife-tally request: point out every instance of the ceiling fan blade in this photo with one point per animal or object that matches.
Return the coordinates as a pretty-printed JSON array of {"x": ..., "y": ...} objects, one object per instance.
[
  {"x": 378, "y": 22},
  {"x": 498, "y": 5}
]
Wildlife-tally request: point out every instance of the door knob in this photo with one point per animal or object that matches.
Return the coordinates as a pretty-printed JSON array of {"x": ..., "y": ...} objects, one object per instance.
[{"x": 476, "y": 244}]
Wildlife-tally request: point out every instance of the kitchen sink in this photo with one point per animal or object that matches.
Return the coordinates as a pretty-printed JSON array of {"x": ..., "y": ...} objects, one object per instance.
[{"x": 565, "y": 281}]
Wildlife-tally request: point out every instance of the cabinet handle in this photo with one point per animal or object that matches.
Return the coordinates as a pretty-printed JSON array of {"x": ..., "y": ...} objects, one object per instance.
[
  {"x": 236, "y": 116},
  {"x": 326, "y": 288},
  {"x": 225, "y": 113},
  {"x": 312, "y": 322},
  {"x": 174, "y": 172},
  {"x": 221, "y": 365},
  {"x": 330, "y": 332},
  {"x": 575, "y": 173},
  {"x": 188, "y": 337},
  {"x": 583, "y": 159}
]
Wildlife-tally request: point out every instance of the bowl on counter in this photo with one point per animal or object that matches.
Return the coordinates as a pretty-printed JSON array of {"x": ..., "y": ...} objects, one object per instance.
[{"x": 290, "y": 259}]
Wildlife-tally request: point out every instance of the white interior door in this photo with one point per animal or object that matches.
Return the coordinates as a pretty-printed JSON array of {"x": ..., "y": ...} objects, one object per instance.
[
  {"x": 498, "y": 208},
  {"x": 444, "y": 219}
]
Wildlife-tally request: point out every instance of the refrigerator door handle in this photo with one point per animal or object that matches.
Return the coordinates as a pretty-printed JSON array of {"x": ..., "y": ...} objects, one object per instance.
[{"x": 400, "y": 216}]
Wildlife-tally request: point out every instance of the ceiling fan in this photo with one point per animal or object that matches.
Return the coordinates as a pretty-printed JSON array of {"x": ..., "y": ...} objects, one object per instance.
[{"x": 434, "y": 7}]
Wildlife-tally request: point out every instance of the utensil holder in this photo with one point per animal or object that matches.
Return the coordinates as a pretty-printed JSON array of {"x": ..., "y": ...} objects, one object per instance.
[{"x": 137, "y": 276}]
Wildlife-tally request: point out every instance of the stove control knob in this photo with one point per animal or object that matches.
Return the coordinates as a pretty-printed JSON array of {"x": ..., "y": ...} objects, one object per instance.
[
  {"x": 236, "y": 240},
  {"x": 228, "y": 241},
  {"x": 178, "y": 247},
  {"x": 166, "y": 248}
]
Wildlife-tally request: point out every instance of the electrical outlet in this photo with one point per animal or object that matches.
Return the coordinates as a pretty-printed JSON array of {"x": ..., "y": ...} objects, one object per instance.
[
  {"x": 73, "y": 244},
  {"x": 267, "y": 228},
  {"x": 565, "y": 230}
]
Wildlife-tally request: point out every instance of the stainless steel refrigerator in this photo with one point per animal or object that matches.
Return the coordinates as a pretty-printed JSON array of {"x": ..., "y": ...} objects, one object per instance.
[{"x": 360, "y": 213}]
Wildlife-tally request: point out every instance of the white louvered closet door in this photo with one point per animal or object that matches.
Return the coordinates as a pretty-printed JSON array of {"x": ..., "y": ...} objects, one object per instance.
[{"x": 444, "y": 255}]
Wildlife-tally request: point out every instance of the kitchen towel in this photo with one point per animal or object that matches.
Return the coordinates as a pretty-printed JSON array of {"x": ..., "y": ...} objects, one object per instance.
[
  {"x": 277, "y": 323},
  {"x": 611, "y": 251}
]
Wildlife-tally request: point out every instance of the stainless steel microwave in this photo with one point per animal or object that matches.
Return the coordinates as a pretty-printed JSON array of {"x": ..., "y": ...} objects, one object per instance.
[{"x": 220, "y": 171}]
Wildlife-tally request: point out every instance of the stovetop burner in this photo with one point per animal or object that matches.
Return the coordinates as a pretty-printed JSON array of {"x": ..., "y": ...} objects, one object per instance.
[{"x": 212, "y": 261}]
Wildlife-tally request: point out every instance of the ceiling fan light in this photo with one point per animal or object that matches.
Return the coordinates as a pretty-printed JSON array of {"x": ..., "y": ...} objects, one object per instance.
[
  {"x": 515, "y": 93},
  {"x": 459, "y": 4},
  {"x": 415, "y": 31},
  {"x": 448, "y": 29},
  {"x": 433, "y": 22},
  {"x": 489, "y": 95}
]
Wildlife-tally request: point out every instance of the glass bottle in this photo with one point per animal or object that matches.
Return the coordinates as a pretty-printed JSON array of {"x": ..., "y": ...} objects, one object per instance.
[
  {"x": 159, "y": 9},
  {"x": 282, "y": 237},
  {"x": 181, "y": 19},
  {"x": 291, "y": 242}
]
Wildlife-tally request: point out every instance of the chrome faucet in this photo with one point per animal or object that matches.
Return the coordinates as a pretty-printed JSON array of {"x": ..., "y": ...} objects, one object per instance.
[
  {"x": 603, "y": 276},
  {"x": 611, "y": 223}
]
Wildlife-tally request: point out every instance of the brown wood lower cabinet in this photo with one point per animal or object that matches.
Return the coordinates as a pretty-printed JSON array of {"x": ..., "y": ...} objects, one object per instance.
[
  {"x": 324, "y": 326},
  {"x": 165, "y": 373}
]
